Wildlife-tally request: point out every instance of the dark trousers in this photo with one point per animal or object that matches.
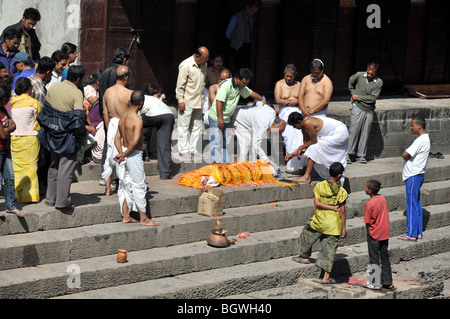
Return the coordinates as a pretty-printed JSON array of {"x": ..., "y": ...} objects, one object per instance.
[
  {"x": 164, "y": 124},
  {"x": 60, "y": 176},
  {"x": 379, "y": 250}
]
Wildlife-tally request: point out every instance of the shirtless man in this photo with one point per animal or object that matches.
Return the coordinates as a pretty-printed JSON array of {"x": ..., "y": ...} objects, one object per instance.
[
  {"x": 286, "y": 96},
  {"x": 315, "y": 91},
  {"x": 225, "y": 74},
  {"x": 129, "y": 141},
  {"x": 325, "y": 142},
  {"x": 115, "y": 103},
  {"x": 213, "y": 72}
]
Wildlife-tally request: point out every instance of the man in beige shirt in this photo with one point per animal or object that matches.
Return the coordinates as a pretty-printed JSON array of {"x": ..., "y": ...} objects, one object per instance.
[{"x": 189, "y": 93}]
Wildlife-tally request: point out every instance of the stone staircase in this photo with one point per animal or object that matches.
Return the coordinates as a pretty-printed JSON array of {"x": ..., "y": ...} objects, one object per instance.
[{"x": 50, "y": 254}]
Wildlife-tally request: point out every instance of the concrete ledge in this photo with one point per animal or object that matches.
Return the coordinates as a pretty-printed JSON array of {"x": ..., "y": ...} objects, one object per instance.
[
  {"x": 25, "y": 250},
  {"x": 149, "y": 264},
  {"x": 245, "y": 278},
  {"x": 166, "y": 198}
]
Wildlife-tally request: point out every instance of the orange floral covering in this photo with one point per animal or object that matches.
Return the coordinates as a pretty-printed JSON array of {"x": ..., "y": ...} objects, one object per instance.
[{"x": 237, "y": 173}]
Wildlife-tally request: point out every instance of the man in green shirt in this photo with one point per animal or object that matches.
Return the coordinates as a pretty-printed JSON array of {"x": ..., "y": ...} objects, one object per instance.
[
  {"x": 364, "y": 87},
  {"x": 222, "y": 110}
]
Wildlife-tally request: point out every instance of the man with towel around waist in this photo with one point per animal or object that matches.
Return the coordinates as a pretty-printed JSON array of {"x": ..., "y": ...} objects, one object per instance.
[
  {"x": 129, "y": 141},
  {"x": 115, "y": 103}
]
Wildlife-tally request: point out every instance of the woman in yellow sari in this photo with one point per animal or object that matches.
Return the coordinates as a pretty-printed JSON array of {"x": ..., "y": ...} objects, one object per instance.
[{"x": 24, "y": 143}]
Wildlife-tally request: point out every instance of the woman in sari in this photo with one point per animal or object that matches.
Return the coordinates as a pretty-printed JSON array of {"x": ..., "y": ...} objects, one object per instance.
[{"x": 24, "y": 142}]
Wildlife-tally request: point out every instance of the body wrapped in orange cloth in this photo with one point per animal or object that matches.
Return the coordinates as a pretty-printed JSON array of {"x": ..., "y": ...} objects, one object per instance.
[{"x": 237, "y": 173}]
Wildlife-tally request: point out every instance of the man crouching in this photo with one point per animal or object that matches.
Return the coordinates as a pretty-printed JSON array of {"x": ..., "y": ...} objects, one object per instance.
[{"x": 129, "y": 142}]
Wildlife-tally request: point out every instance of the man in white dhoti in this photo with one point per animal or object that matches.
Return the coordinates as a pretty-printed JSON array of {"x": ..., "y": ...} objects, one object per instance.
[
  {"x": 129, "y": 142},
  {"x": 250, "y": 125},
  {"x": 115, "y": 103},
  {"x": 286, "y": 96},
  {"x": 325, "y": 142}
]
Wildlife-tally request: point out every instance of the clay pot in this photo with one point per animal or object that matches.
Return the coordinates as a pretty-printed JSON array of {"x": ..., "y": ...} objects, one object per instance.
[
  {"x": 216, "y": 240},
  {"x": 122, "y": 256}
]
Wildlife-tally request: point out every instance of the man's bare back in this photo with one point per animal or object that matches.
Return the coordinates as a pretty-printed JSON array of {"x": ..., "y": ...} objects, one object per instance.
[
  {"x": 131, "y": 130},
  {"x": 117, "y": 98},
  {"x": 130, "y": 136},
  {"x": 314, "y": 96},
  {"x": 116, "y": 101}
]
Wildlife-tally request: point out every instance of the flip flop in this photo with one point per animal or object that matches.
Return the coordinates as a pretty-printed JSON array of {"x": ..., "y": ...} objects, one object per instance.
[
  {"x": 389, "y": 287},
  {"x": 2, "y": 214},
  {"x": 406, "y": 238},
  {"x": 300, "y": 261},
  {"x": 17, "y": 212},
  {"x": 331, "y": 281}
]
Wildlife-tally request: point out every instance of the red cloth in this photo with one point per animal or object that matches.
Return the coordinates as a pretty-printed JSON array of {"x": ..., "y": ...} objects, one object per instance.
[{"x": 376, "y": 214}]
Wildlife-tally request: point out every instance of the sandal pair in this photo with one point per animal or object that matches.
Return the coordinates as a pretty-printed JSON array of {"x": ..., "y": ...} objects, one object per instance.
[{"x": 16, "y": 212}]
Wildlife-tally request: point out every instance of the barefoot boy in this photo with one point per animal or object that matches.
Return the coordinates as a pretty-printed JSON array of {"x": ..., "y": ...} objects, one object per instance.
[
  {"x": 129, "y": 142},
  {"x": 376, "y": 218},
  {"x": 327, "y": 224}
]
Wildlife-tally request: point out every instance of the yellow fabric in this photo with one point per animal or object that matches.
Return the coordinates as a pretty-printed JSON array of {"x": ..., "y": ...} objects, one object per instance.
[
  {"x": 25, "y": 100},
  {"x": 231, "y": 174},
  {"x": 24, "y": 154},
  {"x": 327, "y": 221}
]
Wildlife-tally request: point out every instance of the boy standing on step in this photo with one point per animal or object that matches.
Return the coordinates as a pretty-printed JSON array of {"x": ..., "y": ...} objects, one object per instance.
[
  {"x": 327, "y": 224},
  {"x": 376, "y": 218}
]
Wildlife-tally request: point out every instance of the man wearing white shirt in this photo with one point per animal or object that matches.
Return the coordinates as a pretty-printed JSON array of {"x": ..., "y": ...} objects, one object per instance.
[
  {"x": 416, "y": 159},
  {"x": 251, "y": 123},
  {"x": 155, "y": 113}
]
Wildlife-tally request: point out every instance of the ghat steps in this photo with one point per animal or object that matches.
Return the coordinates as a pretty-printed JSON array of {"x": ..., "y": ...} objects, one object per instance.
[{"x": 174, "y": 261}]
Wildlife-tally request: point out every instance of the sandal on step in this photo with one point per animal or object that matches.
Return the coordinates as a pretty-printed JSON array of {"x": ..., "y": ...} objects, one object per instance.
[
  {"x": 300, "y": 261},
  {"x": 17, "y": 212},
  {"x": 406, "y": 238}
]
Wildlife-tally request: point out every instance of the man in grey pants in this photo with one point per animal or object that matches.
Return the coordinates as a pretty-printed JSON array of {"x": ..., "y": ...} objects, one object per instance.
[
  {"x": 64, "y": 97},
  {"x": 365, "y": 87}
]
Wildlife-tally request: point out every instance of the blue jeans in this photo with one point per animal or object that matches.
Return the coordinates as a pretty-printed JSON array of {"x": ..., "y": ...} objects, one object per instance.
[
  {"x": 218, "y": 142},
  {"x": 6, "y": 168},
  {"x": 414, "y": 222}
]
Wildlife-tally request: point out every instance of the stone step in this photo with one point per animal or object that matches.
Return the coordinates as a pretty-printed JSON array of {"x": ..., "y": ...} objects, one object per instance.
[
  {"x": 101, "y": 239},
  {"x": 166, "y": 198},
  {"x": 256, "y": 276},
  {"x": 421, "y": 278},
  {"x": 49, "y": 277}
]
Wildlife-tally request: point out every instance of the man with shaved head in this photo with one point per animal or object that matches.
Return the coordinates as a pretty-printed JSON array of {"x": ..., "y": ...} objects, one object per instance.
[
  {"x": 190, "y": 95},
  {"x": 116, "y": 102}
]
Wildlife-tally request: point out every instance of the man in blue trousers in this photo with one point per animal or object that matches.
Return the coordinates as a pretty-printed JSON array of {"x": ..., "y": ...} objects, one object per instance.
[{"x": 416, "y": 158}]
